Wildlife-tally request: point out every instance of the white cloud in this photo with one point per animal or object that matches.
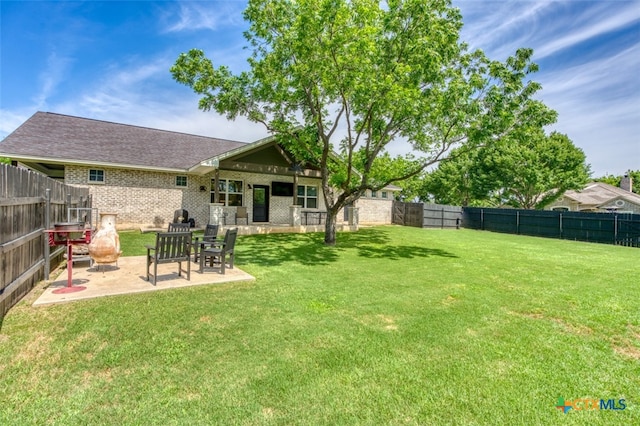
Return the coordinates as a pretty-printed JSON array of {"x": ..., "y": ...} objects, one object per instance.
[
  {"x": 126, "y": 78},
  {"x": 122, "y": 86},
  {"x": 49, "y": 79},
  {"x": 598, "y": 100},
  {"x": 209, "y": 15},
  {"x": 501, "y": 27},
  {"x": 142, "y": 93},
  {"x": 597, "y": 75},
  {"x": 599, "y": 109},
  {"x": 600, "y": 21},
  {"x": 593, "y": 85},
  {"x": 186, "y": 118},
  {"x": 10, "y": 120}
]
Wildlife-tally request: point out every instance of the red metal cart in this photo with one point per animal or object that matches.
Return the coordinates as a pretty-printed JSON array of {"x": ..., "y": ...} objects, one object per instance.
[{"x": 69, "y": 234}]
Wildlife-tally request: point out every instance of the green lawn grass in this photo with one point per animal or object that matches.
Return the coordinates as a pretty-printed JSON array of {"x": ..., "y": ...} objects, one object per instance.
[{"x": 394, "y": 325}]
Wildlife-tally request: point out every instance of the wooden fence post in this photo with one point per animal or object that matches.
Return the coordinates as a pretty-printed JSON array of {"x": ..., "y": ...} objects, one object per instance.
[
  {"x": 68, "y": 207},
  {"x": 47, "y": 225}
]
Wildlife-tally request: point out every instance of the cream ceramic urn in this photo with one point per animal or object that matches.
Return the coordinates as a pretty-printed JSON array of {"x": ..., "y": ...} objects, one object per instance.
[{"x": 105, "y": 244}]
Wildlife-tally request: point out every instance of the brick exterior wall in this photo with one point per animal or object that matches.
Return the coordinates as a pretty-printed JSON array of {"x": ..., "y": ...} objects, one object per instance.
[
  {"x": 375, "y": 210},
  {"x": 144, "y": 199},
  {"x": 278, "y": 206}
]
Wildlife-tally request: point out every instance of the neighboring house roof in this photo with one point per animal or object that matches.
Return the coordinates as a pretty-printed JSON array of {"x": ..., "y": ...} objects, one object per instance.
[
  {"x": 600, "y": 194},
  {"x": 56, "y": 138}
]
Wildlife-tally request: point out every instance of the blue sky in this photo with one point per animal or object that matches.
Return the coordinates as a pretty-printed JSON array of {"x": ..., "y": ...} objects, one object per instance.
[{"x": 110, "y": 60}]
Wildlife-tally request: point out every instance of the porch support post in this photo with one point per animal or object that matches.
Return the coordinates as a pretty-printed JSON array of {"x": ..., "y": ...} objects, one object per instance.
[
  {"x": 294, "y": 215},
  {"x": 216, "y": 214},
  {"x": 353, "y": 216},
  {"x": 216, "y": 189}
]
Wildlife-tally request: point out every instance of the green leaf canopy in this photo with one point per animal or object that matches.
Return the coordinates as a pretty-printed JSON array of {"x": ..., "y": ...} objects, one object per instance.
[{"x": 358, "y": 75}]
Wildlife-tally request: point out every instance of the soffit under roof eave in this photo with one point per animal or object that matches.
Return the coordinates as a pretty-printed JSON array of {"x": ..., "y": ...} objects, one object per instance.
[
  {"x": 202, "y": 169},
  {"x": 214, "y": 162},
  {"x": 70, "y": 162},
  {"x": 238, "y": 151}
]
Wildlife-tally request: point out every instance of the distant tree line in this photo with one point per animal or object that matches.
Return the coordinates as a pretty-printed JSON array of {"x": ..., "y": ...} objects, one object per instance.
[{"x": 528, "y": 169}]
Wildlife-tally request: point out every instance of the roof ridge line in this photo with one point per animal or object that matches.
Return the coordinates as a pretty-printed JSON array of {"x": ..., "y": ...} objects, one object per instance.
[{"x": 139, "y": 127}]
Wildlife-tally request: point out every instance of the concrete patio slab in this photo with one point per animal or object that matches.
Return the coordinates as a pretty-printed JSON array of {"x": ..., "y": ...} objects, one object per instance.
[{"x": 129, "y": 276}]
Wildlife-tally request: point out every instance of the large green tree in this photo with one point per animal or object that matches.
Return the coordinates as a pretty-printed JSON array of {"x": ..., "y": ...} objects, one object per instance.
[
  {"x": 527, "y": 169},
  {"x": 530, "y": 169},
  {"x": 454, "y": 181},
  {"x": 357, "y": 75}
]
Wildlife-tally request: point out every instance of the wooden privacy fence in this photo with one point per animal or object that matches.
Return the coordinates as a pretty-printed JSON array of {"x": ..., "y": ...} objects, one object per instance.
[
  {"x": 609, "y": 228},
  {"x": 29, "y": 204},
  {"x": 407, "y": 214},
  {"x": 441, "y": 216},
  {"x": 424, "y": 215}
]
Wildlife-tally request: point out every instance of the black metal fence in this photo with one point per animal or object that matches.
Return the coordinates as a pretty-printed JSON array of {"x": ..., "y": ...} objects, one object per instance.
[{"x": 609, "y": 228}]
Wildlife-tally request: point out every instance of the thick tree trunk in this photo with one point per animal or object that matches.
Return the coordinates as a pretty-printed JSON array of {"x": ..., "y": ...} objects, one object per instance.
[{"x": 330, "y": 228}]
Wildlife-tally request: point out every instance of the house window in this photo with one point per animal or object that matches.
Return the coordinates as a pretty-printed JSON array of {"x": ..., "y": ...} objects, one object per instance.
[
  {"x": 181, "y": 181},
  {"x": 308, "y": 196},
  {"x": 231, "y": 191},
  {"x": 385, "y": 194},
  {"x": 96, "y": 176},
  {"x": 374, "y": 194}
]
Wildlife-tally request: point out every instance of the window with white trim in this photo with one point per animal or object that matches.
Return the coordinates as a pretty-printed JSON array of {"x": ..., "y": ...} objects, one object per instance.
[
  {"x": 96, "y": 176},
  {"x": 374, "y": 194},
  {"x": 181, "y": 181},
  {"x": 385, "y": 194},
  {"x": 231, "y": 191},
  {"x": 308, "y": 196}
]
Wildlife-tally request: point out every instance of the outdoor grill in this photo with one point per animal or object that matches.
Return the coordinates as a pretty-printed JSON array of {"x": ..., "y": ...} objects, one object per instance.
[{"x": 69, "y": 234}]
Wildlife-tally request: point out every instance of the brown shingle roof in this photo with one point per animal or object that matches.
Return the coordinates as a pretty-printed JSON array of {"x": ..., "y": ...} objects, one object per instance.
[
  {"x": 55, "y": 137},
  {"x": 600, "y": 193}
]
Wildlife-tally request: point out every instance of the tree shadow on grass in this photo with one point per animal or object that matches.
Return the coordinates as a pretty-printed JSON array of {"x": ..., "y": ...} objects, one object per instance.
[
  {"x": 277, "y": 249},
  {"x": 375, "y": 243},
  {"x": 402, "y": 252}
]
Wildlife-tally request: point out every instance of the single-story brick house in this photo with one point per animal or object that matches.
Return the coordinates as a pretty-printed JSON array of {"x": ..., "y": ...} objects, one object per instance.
[{"x": 145, "y": 175}]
